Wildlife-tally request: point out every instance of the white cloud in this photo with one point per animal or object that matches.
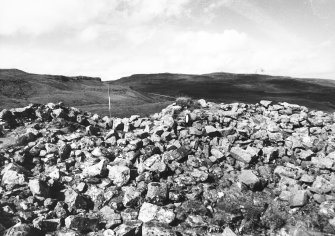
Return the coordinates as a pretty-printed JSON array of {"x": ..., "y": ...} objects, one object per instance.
[
  {"x": 42, "y": 16},
  {"x": 114, "y": 38}
]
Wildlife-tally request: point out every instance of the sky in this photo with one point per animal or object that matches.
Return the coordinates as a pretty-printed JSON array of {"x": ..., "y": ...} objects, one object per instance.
[{"x": 115, "y": 38}]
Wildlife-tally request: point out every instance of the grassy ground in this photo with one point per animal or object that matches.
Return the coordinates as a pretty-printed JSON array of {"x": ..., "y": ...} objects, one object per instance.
[
  {"x": 18, "y": 89},
  {"x": 147, "y": 94},
  {"x": 224, "y": 87}
]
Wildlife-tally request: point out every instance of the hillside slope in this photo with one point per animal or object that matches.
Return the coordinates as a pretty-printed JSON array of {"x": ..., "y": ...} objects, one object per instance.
[
  {"x": 145, "y": 94},
  {"x": 18, "y": 88},
  {"x": 249, "y": 88}
]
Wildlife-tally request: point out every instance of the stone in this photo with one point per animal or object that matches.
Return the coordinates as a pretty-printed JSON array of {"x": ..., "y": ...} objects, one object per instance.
[
  {"x": 270, "y": 154},
  {"x": 24, "y": 139},
  {"x": 155, "y": 163},
  {"x": 217, "y": 153},
  {"x": 129, "y": 214},
  {"x": 97, "y": 170},
  {"x": 148, "y": 212},
  {"x": 96, "y": 194},
  {"x": 299, "y": 198},
  {"x": 22, "y": 230},
  {"x": 249, "y": 178},
  {"x": 47, "y": 225},
  {"x": 157, "y": 193},
  {"x": 322, "y": 162},
  {"x": 13, "y": 174},
  {"x": 39, "y": 188},
  {"x": 196, "y": 221},
  {"x": 319, "y": 198},
  {"x": 109, "y": 232},
  {"x": 6, "y": 115},
  {"x": 166, "y": 216},
  {"x": 157, "y": 229},
  {"x": 241, "y": 154},
  {"x": 307, "y": 178},
  {"x": 199, "y": 176},
  {"x": 129, "y": 228},
  {"x": 81, "y": 222},
  {"x": 112, "y": 218},
  {"x": 265, "y": 103},
  {"x": 64, "y": 151},
  {"x": 51, "y": 148},
  {"x": 228, "y": 232},
  {"x": 92, "y": 130},
  {"x": 187, "y": 170},
  {"x": 59, "y": 113},
  {"x": 74, "y": 200},
  {"x": 306, "y": 154},
  {"x": 202, "y": 103},
  {"x": 131, "y": 197},
  {"x": 120, "y": 175},
  {"x": 60, "y": 210},
  {"x": 321, "y": 185},
  {"x": 327, "y": 209},
  {"x": 285, "y": 171}
]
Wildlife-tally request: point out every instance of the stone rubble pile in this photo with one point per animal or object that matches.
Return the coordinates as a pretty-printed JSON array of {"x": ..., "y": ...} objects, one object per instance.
[{"x": 195, "y": 168}]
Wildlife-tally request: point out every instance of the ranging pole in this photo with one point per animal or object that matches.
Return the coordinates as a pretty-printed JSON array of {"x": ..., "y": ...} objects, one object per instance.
[{"x": 109, "y": 102}]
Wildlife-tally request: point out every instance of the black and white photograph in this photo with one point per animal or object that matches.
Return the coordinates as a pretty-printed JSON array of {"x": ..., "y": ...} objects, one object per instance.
[{"x": 167, "y": 117}]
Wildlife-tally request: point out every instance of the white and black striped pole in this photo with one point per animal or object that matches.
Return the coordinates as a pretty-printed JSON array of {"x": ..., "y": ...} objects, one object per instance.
[{"x": 109, "y": 102}]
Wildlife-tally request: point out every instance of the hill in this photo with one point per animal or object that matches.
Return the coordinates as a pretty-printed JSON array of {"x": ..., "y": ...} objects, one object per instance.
[
  {"x": 18, "y": 88},
  {"x": 145, "y": 94},
  {"x": 248, "y": 88}
]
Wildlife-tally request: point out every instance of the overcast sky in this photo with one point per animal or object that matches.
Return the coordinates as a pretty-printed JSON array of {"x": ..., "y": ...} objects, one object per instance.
[{"x": 115, "y": 38}]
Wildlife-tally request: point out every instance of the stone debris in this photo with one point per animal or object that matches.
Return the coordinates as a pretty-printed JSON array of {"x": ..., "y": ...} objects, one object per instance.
[{"x": 195, "y": 168}]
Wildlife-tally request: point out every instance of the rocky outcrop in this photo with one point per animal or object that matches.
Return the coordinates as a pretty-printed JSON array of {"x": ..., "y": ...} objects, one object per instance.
[{"x": 199, "y": 169}]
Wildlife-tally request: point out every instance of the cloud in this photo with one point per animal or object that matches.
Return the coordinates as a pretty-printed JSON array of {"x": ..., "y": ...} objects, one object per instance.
[
  {"x": 114, "y": 38},
  {"x": 42, "y": 16}
]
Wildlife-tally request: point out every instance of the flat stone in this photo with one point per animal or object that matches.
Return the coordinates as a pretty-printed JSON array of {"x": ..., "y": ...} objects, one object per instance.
[
  {"x": 307, "y": 178},
  {"x": 217, "y": 153},
  {"x": 249, "y": 178},
  {"x": 241, "y": 154},
  {"x": 99, "y": 169},
  {"x": 81, "y": 222},
  {"x": 265, "y": 103},
  {"x": 299, "y": 198}
]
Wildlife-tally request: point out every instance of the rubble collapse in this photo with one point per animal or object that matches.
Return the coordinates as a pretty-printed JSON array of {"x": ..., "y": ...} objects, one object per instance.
[{"x": 195, "y": 168}]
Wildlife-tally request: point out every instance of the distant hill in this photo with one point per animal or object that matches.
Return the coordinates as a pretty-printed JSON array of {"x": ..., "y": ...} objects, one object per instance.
[
  {"x": 248, "y": 88},
  {"x": 18, "y": 88},
  {"x": 148, "y": 93}
]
